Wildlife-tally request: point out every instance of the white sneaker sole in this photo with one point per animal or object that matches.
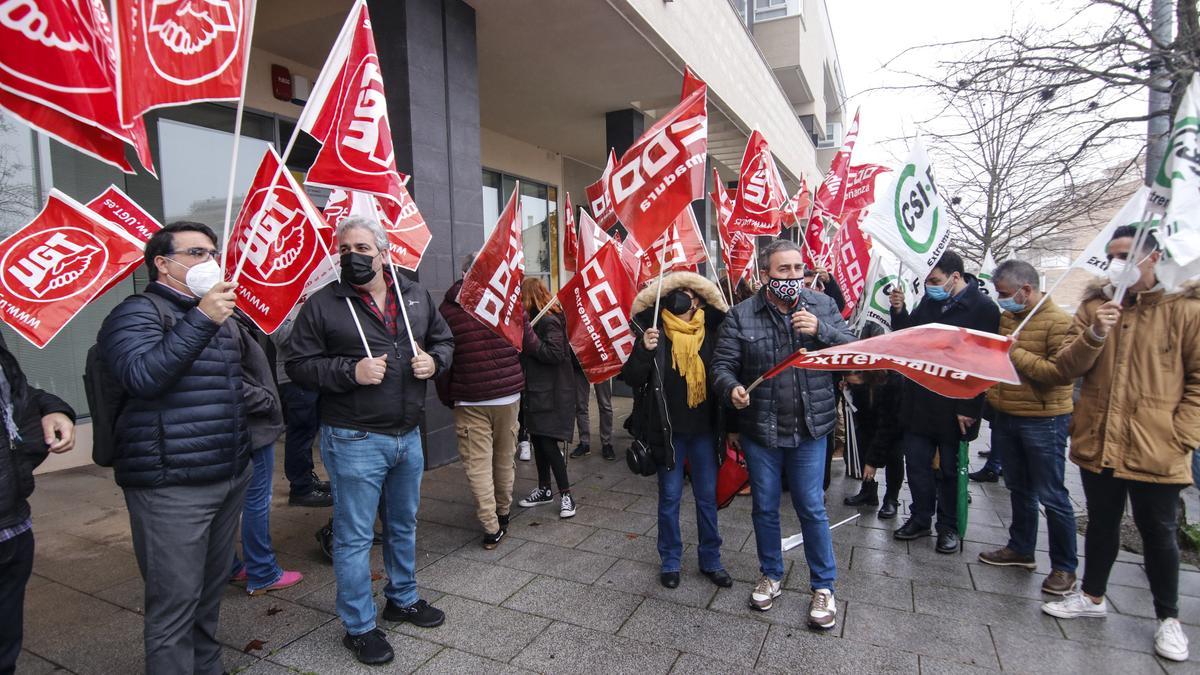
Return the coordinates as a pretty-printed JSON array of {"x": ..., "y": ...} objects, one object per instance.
[
  {"x": 1171, "y": 656},
  {"x": 566, "y": 514},
  {"x": 754, "y": 604},
  {"x": 1053, "y": 611},
  {"x": 813, "y": 623},
  {"x": 530, "y": 505}
]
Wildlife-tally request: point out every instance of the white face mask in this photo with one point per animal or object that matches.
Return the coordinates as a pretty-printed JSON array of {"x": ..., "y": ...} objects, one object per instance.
[
  {"x": 1120, "y": 272},
  {"x": 201, "y": 278}
]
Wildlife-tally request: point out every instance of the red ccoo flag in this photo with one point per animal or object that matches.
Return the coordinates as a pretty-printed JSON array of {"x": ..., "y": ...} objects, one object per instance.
[
  {"x": 596, "y": 304},
  {"x": 664, "y": 170},
  {"x": 860, "y": 186},
  {"x": 831, "y": 195},
  {"x": 761, "y": 196},
  {"x": 59, "y": 75},
  {"x": 277, "y": 242},
  {"x": 570, "y": 250},
  {"x": 491, "y": 289},
  {"x": 947, "y": 360},
  {"x": 347, "y": 113},
  {"x": 174, "y": 52},
  {"x": 599, "y": 197},
  {"x": 680, "y": 247},
  {"x": 851, "y": 258},
  {"x": 58, "y": 263}
]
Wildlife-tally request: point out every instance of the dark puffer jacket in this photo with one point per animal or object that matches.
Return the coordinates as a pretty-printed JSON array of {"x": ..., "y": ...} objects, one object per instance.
[
  {"x": 549, "y": 401},
  {"x": 924, "y": 412},
  {"x": 185, "y": 420},
  {"x": 752, "y": 342},
  {"x": 18, "y": 461},
  {"x": 264, "y": 409},
  {"x": 485, "y": 366}
]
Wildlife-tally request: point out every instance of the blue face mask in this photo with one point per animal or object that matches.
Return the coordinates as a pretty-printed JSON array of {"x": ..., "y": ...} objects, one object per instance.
[
  {"x": 938, "y": 293},
  {"x": 1010, "y": 305}
]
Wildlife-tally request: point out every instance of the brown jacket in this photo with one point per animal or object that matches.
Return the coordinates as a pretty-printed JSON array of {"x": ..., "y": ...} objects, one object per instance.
[
  {"x": 1139, "y": 413},
  {"x": 1035, "y": 355}
]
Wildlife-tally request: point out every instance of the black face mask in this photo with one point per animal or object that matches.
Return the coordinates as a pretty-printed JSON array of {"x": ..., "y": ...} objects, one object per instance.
[
  {"x": 677, "y": 302},
  {"x": 358, "y": 269}
]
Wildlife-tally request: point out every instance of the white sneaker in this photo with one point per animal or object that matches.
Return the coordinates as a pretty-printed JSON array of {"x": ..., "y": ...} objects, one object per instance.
[
  {"x": 523, "y": 451},
  {"x": 1075, "y": 605},
  {"x": 822, "y": 610},
  {"x": 566, "y": 506},
  {"x": 765, "y": 592},
  {"x": 1170, "y": 642}
]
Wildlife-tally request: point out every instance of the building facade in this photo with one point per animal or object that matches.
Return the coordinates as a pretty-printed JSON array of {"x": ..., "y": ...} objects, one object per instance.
[{"x": 483, "y": 95}]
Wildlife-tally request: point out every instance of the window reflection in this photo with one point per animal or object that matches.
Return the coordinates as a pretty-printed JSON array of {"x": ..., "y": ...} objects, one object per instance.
[
  {"x": 539, "y": 206},
  {"x": 19, "y": 199}
]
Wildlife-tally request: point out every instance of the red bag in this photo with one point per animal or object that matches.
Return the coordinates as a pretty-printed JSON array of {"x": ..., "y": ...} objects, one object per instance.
[{"x": 731, "y": 477}]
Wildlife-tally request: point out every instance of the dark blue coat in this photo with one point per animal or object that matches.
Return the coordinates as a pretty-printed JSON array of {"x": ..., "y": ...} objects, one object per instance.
[
  {"x": 185, "y": 420},
  {"x": 751, "y": 343}
]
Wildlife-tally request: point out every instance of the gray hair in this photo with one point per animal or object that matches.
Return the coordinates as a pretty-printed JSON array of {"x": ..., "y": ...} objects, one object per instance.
[
  {"x": 776, "y": 246},
  {"x": 364, "y": 223},
  {"x": 1016, "y": 272}
]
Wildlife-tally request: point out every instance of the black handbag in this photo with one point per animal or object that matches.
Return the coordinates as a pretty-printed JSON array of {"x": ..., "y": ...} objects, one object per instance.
[{"x": 640, "y": 459}]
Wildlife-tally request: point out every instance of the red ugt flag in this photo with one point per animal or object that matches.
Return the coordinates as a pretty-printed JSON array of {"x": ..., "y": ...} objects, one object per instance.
[
  {"x": 596, "y": 304},
  {"x": 947, "y": 360},
  {"x": 664, "y": 170},
  {"x": 570, "y": 251},
  {"x": 347, "y": 113},
  {"x": 172, "y": 52},
  {"x": 680, "y": 247},
  {"x": 58, "y": 263},
  {"x": 278, "y": 241},
  {"x": 797, "y": 208},
  {"x": 118, "y": 209},
  {"x": 761, "y": 196},
  {"x": 491, "y": 289},
  {"x": 59, "y": 75}
]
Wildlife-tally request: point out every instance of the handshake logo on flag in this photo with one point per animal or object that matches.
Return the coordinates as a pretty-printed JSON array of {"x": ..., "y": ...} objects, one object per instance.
[{"x": 53, "y": 264}]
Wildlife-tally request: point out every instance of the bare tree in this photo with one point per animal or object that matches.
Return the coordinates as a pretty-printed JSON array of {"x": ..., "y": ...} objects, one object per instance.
[{"x": 16, "y": 189}]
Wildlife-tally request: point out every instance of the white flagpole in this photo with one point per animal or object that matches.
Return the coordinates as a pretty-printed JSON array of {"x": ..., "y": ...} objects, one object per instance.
[
  {"x": 358, "y": 325},
  {"x": 237, "y": 136},
  {"x": 412, "y": 340},
  {"x": 545, "y": 310},
  {"x": 797, "y": 539},
  {"x": 662, "y": 268}
]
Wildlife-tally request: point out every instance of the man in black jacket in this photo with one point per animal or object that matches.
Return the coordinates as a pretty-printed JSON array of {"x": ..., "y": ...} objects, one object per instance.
[
  {"x": 182, "y": 445},
  {"x": 784, "y": 421},
  {"x": 34, "y": 423},
  {"x": 935, "y": 424},
  {"x": 350, "y": 343}
]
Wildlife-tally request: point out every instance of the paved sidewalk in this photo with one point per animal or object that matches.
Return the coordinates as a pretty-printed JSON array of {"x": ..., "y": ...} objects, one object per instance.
[{"x": 583, "y": 596}]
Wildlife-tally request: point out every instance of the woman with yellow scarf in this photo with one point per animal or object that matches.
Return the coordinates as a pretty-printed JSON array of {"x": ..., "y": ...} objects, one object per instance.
[{"x": 675, "y": 413}]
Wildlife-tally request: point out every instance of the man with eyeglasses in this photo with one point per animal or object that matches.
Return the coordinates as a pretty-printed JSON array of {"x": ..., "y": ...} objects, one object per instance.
[
  {"x": 182, "y": 446},
  {"x": 1136, "y": 424}
]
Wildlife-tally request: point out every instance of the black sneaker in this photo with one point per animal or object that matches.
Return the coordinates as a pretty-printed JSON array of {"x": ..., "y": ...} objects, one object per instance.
[
  {"x": 608, "y": 453},
  {"x": 911, "y": 530},
  {"x": 580, "y": 450},
  {"x": 538, "y": 497},
  {"x": 503, "y": 518},
  {"x": 322, "y": 485},
  {"x": 371, "y": 648},
  {"x": 420, "y": 613},
  {"x": 491, "y": 541},
  {"x": 316, "y": 498}
]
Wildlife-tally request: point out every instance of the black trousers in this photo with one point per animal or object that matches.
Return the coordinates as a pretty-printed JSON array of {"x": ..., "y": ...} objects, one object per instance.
[
  {"x": 549, "y": 458},
  {"x": 16, "y": 564},
  {"x": 1155, "y": 507}
]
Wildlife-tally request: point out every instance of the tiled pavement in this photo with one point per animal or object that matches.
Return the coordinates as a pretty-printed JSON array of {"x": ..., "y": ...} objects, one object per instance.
[{"x": 583, "y": 596}]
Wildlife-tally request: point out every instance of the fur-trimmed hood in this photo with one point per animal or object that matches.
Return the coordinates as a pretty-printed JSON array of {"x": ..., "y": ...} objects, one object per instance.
[
  {"x": 1101, "y": 289},
  {"x": 706, "y": 289}
]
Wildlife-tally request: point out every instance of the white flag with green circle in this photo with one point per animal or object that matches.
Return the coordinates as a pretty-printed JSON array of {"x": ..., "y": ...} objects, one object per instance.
[{"x": 909, "y": 218}]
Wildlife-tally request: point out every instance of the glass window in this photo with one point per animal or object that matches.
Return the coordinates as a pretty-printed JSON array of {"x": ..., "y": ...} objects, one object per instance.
[
  {"x": 20, "y": 196},
  {"x": 774, "y": 9},
  {"x": 539, "y": 210}
]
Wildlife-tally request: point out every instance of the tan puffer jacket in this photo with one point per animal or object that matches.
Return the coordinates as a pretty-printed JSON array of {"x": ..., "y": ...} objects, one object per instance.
[
  {"x": 1035, "y": 356},
  {"x": 1139, "y": 413}
]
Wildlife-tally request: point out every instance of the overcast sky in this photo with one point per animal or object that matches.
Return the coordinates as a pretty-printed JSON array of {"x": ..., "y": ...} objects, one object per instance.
[{"x": 870, "y": 32}]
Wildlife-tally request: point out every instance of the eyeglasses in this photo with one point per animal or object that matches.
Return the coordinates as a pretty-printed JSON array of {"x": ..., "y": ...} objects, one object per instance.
[{"x": 199, "y": 252}]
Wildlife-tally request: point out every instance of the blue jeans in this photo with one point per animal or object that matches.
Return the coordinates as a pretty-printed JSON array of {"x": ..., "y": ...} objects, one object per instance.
[
  {"x": 805, "y": 466},
  {"x": 303, "y": 422},
  {"x": 701, "y": 456},
  {"x": 1196, "y": 468},
  {"x": 262, "y": 570},
  {"x": 995, "y": 458},
  {"x": 363, "y": 468},
  {"x": 933, "y": 490},
  {"x": 1035, "y": 451}
]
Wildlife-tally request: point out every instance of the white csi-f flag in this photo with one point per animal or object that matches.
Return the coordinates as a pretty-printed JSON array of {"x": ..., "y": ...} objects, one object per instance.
[
  {"x": 909, "y": 218},
  {"x": 984, "y": 275},
  {"x": 1094, "y": 258},
  {"x": 883, "y": 275},
  {"x": 1176, "y": 193}
]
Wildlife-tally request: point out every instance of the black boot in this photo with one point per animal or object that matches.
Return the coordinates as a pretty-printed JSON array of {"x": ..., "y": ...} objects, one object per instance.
[
  {"x": 868, "y": 495},
  {"x": 891, "y": 505}
]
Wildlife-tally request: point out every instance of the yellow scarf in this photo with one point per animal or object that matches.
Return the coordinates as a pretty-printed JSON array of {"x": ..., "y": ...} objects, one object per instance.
[{"x": 686, "y": 338}]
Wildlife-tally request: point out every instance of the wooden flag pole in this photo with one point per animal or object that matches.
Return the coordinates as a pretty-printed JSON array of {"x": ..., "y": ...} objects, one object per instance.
[{"x": 545, "y": 310}]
